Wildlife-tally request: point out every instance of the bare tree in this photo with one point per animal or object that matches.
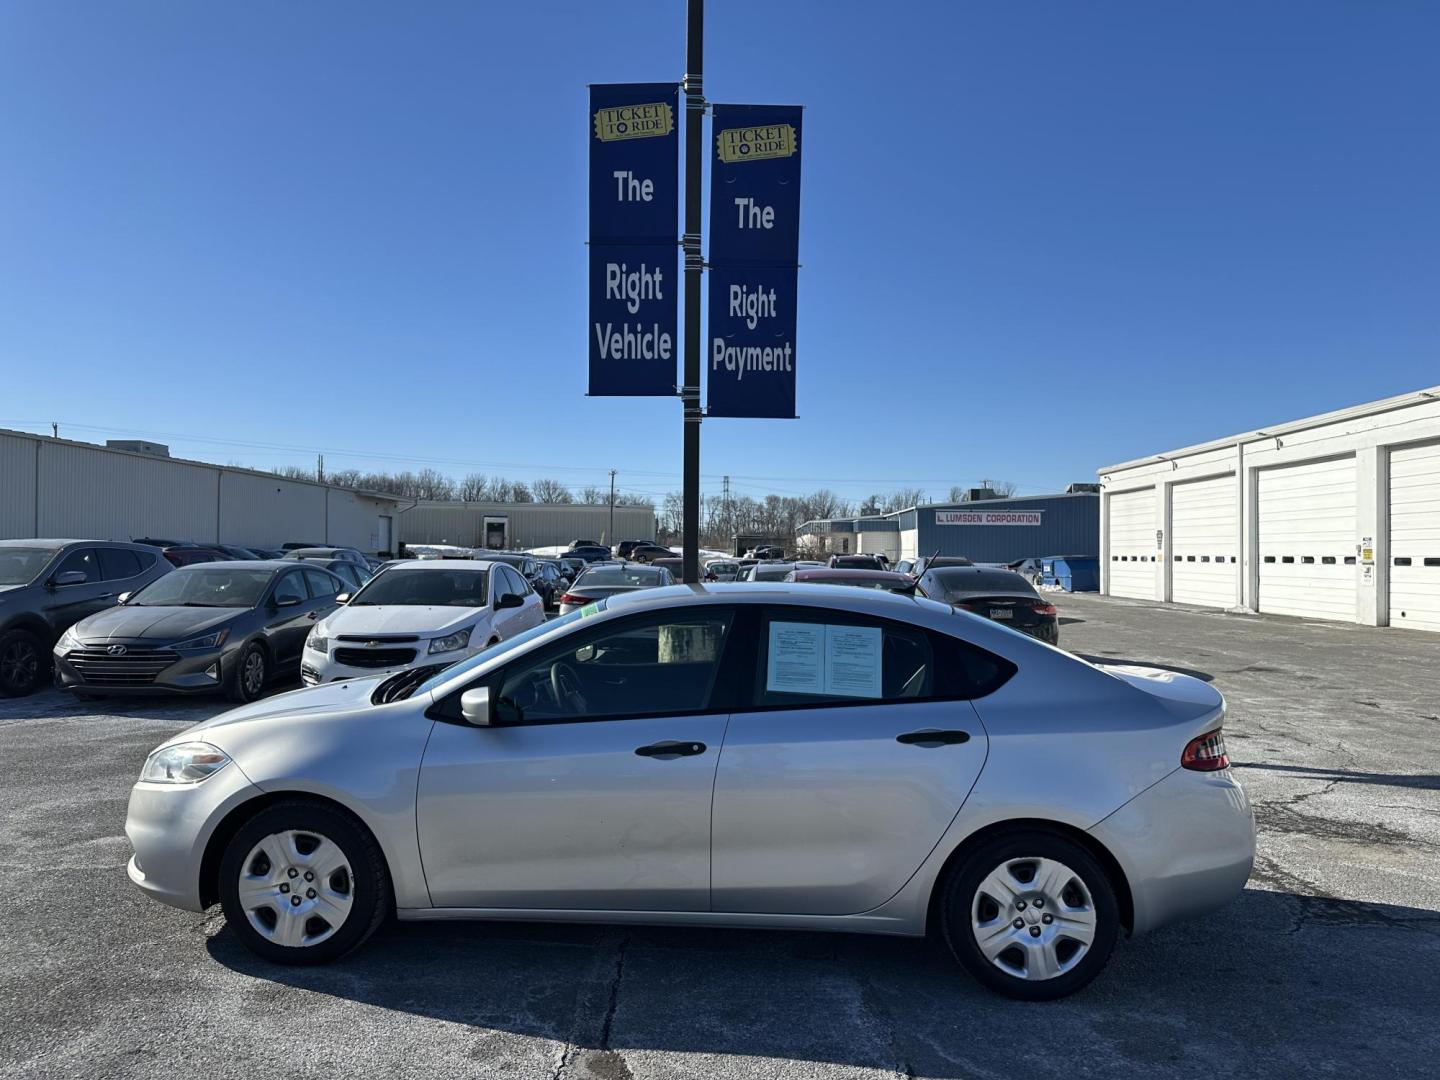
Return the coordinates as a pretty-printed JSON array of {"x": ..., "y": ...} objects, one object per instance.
[
  {"x": 474, "y": 488},
  {"x": 902, "y": 499},
  {"x": 552, "y": 491},
  {"x": 591, "y": 495}
]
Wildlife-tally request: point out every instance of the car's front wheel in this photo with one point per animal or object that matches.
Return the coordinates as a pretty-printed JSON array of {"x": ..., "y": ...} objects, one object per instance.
[
  {"x": 303, "y": 883},
  {"x": 22, "y": 662},
  {"x": 252, "y": 671},
  {"x": 1031, "y": 915}
]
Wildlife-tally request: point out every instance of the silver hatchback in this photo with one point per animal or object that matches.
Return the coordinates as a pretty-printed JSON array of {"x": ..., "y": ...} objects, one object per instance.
[{"x": 799, "y": 756}]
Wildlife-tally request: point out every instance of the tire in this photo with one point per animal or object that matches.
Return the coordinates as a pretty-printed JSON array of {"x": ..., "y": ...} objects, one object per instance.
[
  {"x": 247, "y": 681},
  {"x": 23, "y": 662},
  {"x": 1064, "y": 939},
  {"x": 297, "y": 837}
]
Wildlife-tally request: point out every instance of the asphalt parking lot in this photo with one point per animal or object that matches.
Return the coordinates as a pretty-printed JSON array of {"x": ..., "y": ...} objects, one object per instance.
[{"x": 1328, "y": 965}]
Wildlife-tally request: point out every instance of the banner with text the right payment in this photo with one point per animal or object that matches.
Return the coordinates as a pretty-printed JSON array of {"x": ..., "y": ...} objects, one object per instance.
[{"x": 754, "y": 260}]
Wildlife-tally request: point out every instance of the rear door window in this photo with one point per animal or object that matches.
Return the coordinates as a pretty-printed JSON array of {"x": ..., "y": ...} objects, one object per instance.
[
  {"x": 810, "y": 657},
  {"x": 118, "y": 563},
  {"x": 322, "y": 585},
  {"x": 290, "y": 587}
]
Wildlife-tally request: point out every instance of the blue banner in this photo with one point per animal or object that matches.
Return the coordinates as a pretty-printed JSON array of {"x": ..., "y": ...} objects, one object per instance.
[
  {"x": 633, "y": 322},
  {"x": 634, "y": 253},
  {"x": 751, "y": 347},
  {"x": 755, "y": 185},
  {"x": 754, "y": 260}
]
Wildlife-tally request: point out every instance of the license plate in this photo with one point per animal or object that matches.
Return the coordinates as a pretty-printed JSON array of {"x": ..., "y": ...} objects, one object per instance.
[{"x": 1001, "y": 613}]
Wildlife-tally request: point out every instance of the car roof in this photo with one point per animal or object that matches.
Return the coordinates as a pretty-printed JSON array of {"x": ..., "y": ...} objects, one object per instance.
[
  {"x": 840, "y": 573},
  {"x": 442, "y": 564}
]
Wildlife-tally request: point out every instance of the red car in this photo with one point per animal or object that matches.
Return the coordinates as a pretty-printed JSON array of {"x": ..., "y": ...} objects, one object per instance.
[{"x": 866, "y": 579}]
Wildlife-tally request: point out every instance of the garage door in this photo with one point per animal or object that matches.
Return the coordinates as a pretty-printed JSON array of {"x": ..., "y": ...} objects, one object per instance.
[
  {"x": 1132, "y": 544},
  {"x": 1203, "y": 544},
  {"x": 1415, "y": 537},
  {"x": 1307, "y": 540}
]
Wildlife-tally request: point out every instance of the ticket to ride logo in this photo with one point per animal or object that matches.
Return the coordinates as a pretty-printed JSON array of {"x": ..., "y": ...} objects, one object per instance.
[
  {"x": 633, "y": 122},
  {"x": 756, "y": 143}
]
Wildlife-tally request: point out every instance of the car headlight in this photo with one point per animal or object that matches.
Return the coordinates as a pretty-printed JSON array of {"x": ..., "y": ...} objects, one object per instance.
[
  {"x": 68, "y": 640},
  {"x": 458, "y": 640},
  {"x": 317, "y": 642},
  {"x": 209, "y": 641},
  {"x": 184, "y": 763}
]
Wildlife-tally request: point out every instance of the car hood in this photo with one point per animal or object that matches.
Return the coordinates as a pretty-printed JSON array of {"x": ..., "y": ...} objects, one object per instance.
[
  {"x": 316, "y": 701},
  {"x": 11, "y": 588},
  {"x": 153, "y": 623},
  {"x": 361, "y": 620},
  {"x": 1183, "y": 695}
]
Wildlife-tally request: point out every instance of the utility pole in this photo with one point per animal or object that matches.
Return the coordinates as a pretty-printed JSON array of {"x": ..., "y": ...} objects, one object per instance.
[
  {"x": 725, "y": 505},
  {"x": 54, "y": 430},
  {"x": 320, "y": 467},
  {"x": 611, "y": 537},
  {"x": 690, "y": 241}
]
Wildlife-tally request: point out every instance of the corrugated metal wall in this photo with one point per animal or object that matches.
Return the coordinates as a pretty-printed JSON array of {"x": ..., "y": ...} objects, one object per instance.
[
  {"x": 529, "y": 525},
  {"x": 17, "y": 487},
  {"x": 1070, "y": 525},
  {"x": 270, "y": 511},
  {"x": 90, "y": 492},
  {"x": 95, "y": 494}
]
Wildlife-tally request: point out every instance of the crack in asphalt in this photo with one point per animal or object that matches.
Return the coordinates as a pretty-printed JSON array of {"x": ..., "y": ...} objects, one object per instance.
[
  {"x": 586, "y": 1054},
  {"x": 1312, "y": 907}
]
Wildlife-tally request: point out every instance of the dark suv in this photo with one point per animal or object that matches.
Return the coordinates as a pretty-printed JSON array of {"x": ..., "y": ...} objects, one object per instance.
[{"x": 46, "y": 586}]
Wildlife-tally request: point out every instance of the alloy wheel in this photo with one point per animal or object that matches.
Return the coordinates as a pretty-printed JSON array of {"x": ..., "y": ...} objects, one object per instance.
[
  {"x": 1033, "y": 918},
  {"x": 252, "y": 675},
  {"x": 18, "y": 664},
  {"x": 296, "y": 888}
]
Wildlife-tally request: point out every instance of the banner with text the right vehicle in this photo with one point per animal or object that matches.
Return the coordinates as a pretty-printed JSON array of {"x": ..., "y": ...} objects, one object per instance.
[{"x": 754, "y": 260}]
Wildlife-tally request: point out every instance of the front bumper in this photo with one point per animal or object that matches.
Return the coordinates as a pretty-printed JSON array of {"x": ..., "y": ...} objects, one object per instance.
[
  {"x": 316, "y": 668},
  {"x": 1186, "y": 845},
  {"x": 141, "y": 670},
  {"x": 169, "y": 826}
]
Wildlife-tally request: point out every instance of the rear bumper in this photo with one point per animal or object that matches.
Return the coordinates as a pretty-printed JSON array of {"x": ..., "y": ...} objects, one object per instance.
[{"x": 1186, "y": 845}]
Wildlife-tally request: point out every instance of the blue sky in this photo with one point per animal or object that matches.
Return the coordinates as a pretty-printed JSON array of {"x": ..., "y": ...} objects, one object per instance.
[{"x": 1036, "y": 237}]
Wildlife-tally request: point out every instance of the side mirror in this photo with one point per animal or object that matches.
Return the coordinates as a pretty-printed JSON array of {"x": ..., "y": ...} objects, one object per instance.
[
  {"x": 475, "y": 706},
  {"x": 69, "y": 577},
  {"x": 289, "y": 601},
  {"x": 124, "y": 598},
  {"x": 343, "y": 598},
  {"x": 509, "y": 600}
]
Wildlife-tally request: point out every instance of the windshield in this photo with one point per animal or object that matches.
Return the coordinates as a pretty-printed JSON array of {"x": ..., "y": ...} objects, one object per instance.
[
  {"x": 425, "y": 588},
  {"x": 206, "y": 586},
  {"x": 958, "y": 582},
  {"x": 19, "y": 566},
  {"x": 722, "y": 567},
  {"x": 620, "y": 576},
  {"x": 509, "y": 644}
]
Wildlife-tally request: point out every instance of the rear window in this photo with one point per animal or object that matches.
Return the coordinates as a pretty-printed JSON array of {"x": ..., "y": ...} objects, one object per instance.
[
  {"x": 620, "y": 576},
  {"x": 959, "y": 581}
]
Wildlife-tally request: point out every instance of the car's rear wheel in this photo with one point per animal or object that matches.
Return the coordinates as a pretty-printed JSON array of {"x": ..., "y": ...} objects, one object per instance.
[
  {"x": 303, "y": 883},
  {"x": 252, "y": 671},
  {"x": 1031, "y": 915},
  {"x": 22, "y": 663}
]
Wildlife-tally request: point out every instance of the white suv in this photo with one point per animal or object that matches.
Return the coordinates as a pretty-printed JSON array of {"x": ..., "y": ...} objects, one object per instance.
[{"x": 418, "y": 612}]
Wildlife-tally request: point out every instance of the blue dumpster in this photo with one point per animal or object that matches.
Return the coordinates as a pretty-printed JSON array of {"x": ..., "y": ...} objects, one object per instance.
[{"x": 1073, "y": 573}]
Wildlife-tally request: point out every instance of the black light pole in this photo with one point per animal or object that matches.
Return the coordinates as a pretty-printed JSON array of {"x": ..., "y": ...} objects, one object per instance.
[{"x": 690, "y": 390}]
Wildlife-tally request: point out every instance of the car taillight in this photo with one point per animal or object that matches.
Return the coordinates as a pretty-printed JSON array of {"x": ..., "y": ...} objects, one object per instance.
[
  {"x": 1206, "y": 753},
  {"x": 574, "y": 598},
  {"x": 1043, "y": 609}
]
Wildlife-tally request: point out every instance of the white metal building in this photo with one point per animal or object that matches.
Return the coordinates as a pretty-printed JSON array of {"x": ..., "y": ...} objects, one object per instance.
[
  {"x": 1332, "y": 517},
  {"x": 61, "y": 488}
]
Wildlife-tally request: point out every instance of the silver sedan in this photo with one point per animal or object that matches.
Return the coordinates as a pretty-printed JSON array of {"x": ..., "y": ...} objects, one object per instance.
[{"x": 801, "y": 756}]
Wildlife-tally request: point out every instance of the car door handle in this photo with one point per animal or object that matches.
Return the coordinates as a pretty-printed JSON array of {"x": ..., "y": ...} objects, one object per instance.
[
  {"x": 933, "y": 738},
  {"x": 667, "y": 750}
]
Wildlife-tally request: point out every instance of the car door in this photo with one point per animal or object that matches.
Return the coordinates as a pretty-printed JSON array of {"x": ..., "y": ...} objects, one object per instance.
[
  {"x": 290, "y": 615},
  {"x": 592, "y": 790},
  {"x": 65, "y": 605},
  {"x": 855, "y": 754}
]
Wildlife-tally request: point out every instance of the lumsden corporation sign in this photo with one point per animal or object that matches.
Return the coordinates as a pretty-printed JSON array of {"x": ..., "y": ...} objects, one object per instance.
[{"x": 987, "y": 517}]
